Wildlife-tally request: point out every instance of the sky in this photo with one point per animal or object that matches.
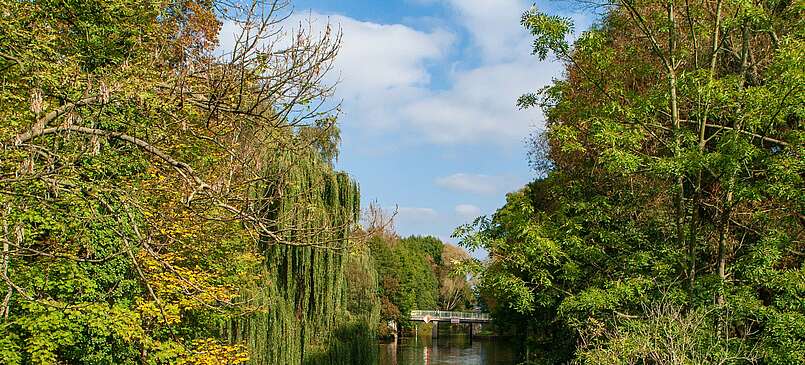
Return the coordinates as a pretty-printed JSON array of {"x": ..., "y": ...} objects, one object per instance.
[{"x": 428, "y": 92}]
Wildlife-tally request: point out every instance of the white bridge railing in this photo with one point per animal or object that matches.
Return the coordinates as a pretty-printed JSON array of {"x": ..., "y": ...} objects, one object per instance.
[{"x": 427, "y": 316}]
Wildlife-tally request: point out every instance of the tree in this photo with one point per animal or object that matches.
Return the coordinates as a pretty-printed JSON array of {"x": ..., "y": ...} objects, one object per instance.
[
  {"x": 675, "y": 146},
  {"x": 454, "y": 290},
  {"x": 137, "y": 168},
  {"x": 408, "y": 271}
]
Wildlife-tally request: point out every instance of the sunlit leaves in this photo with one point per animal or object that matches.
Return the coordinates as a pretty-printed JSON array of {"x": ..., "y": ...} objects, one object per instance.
[
  {"x": 113, "y": 261},
  {"x": 549, "y": 31}
]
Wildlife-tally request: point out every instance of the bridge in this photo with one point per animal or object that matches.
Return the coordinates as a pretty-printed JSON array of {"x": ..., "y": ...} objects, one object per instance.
[
  {"x": 470, "y": 318},
  {"x": 451, "y": 317}
]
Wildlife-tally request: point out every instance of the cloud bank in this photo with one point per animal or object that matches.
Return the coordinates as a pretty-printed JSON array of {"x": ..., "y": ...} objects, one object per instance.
[
  {"x": 477, "y": 183},
  {"x": 467, "y": 211},
  {"x": 387, "y": 84}
]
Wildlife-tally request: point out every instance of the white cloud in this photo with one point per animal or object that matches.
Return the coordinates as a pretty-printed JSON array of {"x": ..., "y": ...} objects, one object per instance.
[
  {"x": 467, "y": 211},
  {"x": 415, "y": 213},
  {"x": 477, "y": 104},
  {"x": 386, "y": 84},
  {"x": 480, "y": 107},
  {"x": 378, "y": 65},
  {"x": 477, "y": 183},
  {"x": 376, "y": 57},
  {"x": 494, "y": 26},
  {"x": 418, "y": 220},
  {"x": 382, "y": 67}
]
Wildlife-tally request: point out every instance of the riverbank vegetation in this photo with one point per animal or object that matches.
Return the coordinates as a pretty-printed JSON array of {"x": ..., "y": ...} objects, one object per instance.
[
  {"x": 417, "y": 273},
  {"x": 169, "y": 197},
  {"x": 667, "y": 225},
  {"x": 168, "y": 193}
]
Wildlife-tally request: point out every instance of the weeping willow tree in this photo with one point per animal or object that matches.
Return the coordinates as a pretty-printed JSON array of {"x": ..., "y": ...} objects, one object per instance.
[{"x": 304, "y": 313}]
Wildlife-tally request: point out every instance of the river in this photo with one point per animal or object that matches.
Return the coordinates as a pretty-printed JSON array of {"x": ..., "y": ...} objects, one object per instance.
[{"x": 453, "y": 349}]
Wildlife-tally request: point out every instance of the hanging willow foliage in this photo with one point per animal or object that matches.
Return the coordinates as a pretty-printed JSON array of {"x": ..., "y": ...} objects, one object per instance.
[{"x": 301, "y": 312}]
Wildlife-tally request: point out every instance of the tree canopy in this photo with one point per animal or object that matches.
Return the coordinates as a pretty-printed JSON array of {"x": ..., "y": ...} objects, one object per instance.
[
  {"x": 667, "y": 227},
  {"x": 145, "y": 172}
]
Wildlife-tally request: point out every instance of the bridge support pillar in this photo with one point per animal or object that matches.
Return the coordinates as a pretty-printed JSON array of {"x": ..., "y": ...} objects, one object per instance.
[{"x": 435, "y": 330}]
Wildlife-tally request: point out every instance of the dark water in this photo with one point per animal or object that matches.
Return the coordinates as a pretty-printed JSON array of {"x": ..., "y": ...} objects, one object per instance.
[{"x": 455, "y": 349}]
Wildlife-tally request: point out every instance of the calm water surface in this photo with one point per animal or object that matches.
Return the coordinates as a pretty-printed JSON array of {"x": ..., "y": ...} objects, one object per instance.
[{"x": 456, "y": 349}]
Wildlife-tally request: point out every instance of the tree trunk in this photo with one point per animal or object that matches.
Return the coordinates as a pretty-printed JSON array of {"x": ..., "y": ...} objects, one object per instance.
[
  {"x": 670, "y": 66},
  {"x": 699, "y": 189},
  {"x": 4, "y": 308},
  {"x": 726, "y": 214}
]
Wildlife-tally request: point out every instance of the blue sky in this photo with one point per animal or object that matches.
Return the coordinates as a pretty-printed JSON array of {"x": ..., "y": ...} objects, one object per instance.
[{"x": 428, "y": 91}]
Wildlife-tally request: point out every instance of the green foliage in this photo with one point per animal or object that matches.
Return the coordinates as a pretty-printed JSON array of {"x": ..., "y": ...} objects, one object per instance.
[
  {"x": 313, "y": 304},
  {"x": 408, "y": 272},
  {"x": 667, "y": 335},
  {"x": 150, "y": 188},
  {"x": 455, "y": 292},
  {"x": 669, "y": 228},
  {"x": 549, "y": 32},
  {"x": 78, "y": 286}
]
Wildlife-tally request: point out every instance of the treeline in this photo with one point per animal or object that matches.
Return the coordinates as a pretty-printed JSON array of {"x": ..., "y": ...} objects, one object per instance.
[
  {"x": 668, "y": 225},
  {"x": 417, "y": 272},
  {"x": 168, "y": 197}
]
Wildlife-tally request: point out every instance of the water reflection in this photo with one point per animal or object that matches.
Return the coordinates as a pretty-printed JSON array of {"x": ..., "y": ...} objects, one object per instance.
[{"x": 456, "y": 349}]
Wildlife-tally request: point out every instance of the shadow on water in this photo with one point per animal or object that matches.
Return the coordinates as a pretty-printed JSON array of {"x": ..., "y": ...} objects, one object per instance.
[
  {"x": 348, "y": 345},
  {"x": 450, "y": 349}
]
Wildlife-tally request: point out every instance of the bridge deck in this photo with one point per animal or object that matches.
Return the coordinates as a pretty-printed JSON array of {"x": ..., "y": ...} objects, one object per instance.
[{"x": 447, "y": 316}]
